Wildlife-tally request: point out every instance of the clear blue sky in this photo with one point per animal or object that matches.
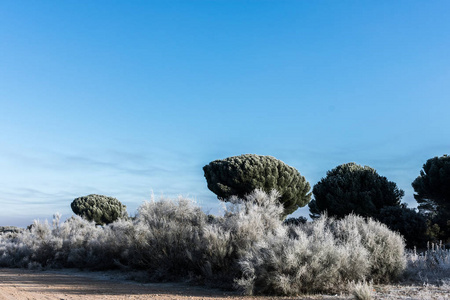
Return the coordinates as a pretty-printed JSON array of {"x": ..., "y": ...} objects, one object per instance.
[{"x": 123, "y": 98}]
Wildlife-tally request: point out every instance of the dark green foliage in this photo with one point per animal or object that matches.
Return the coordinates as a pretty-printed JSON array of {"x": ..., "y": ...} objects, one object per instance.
[
  {"x": 10, "y": 229},
  {"x": 9, "y": 232},
  {"x": 240, "y": 175},
  {"x": 409, "y": 223},
  {"x": 438, "y": 226},
  {"x": 295, "y": 221},
  {"x": 98, "y": 208},
  {"x": 351, "y": 188},
  {"x": 432, "y": 189}
]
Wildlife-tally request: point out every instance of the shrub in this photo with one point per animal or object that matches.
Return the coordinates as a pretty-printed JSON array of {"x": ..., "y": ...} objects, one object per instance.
[
  {"x": 245, "y": 222},
  {"x": 249, "y": 246},
  {"x": 177, "y": 240},
  {"x": 167, "y": 238},
  {"x": 98, "y": 208},
  {"x": 240, "y": 175},
  {"x": 322, "y": 256},
  {"x": 429, "y": 266},
  {"x": 78, "y": 236},
  {"x": 386, "y": 248},
  {"x": 309, "y": 260},
  {"x": 361, "y": 290},
  {"x": 351, "y": 188}
]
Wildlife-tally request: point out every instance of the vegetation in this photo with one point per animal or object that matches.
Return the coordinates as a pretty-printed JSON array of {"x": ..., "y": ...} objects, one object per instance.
[
  {"x": 295, "y": 221},
  {"x": 430, "y": 266},
  {"x": 351, "y": 188},
  {"x": 322, "y": 256},
  {"x": 240, "y": 175},
  {"x": 411, "y": 224},
  {"x": 432, "y": 189},
  {"x": 98, "y": 208},
  {"x": 248, "y": 248}
]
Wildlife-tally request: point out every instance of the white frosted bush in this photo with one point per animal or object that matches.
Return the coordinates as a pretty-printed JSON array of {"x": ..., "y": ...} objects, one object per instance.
[
  {"x": 386, "y": 248},
  {"x": 77, "y": 234},
  {"x": 218, "y": 259},
  {"x": 309, "y": 259},
  {"x": 322, "y": 256},
  {"x": 249, "y": 246},
  {"x": 167, "y": 237},
  {"x": 361, "y": 290},
  {"x": 115, "y": 245},
  {"x": 34, "y": 247},
  {"x": 56, "y": 245},
  {"x": 14, "y": 253},
  {"x": 429, "y": 266},
  {"x": 245, "y": 223}
]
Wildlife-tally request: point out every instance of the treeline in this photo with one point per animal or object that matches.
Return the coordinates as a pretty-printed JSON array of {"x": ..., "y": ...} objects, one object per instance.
[
  {"x": 346, "y": 189},
  {"x": 353, "y": 238}
]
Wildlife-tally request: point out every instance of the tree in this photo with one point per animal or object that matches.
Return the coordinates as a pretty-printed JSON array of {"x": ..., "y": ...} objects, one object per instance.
[
  {"x": 432, "y": 189},
  {"x": 98, "y": 208},
  {"x": 240, "y": 175},
  {"x": 351, "y": 188},
  {"x": 295, "y": 221},
  {"x": 408, "y": 222}
]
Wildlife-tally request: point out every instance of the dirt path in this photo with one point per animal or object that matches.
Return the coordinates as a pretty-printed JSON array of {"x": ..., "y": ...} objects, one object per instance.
[
  {"x": 71, "y": 284},
  {"x": 17, "y": 284}
]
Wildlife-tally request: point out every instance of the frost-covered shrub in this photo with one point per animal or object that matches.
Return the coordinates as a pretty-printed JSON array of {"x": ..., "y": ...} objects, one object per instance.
[
  {"x": 167, "y": 238},
  {"x": 9, "y": 231},
  {"x": 14, "y": 253},
  {"x": 386, "y": 248},
  {"x": 78, "y": 235},
  {"x": 322, "y": 256},
  {"x": 361, "y": 290},
  {"x": 245, "y": 223},
  {"x": 248, "y": 246},
  {"x": 177, "y": 239},
  {"x": 114, "y": 246},
  {"x": 48, "y": 245},
  {"x": 309, "y": 259},
  {"x": 429, "y": 266},
  {"x": 38, "y": 245}
]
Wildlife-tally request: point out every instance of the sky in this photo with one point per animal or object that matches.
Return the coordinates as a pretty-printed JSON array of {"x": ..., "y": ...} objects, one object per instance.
[{"x": 132, "y": 98}]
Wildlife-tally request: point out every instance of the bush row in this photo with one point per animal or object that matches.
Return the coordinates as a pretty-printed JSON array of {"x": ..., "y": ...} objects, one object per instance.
[{"x": 248, "y": 248}]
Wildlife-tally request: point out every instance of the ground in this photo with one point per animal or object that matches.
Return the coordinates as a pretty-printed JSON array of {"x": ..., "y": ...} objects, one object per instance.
[{"x": 16, "y": 284}]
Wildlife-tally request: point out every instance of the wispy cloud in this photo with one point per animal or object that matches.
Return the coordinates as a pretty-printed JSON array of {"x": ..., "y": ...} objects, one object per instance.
[{"x": 47, "y": 181}]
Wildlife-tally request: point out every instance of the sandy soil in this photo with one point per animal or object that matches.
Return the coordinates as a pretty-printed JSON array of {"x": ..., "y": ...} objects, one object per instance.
[{"x": 74, "y": 284}]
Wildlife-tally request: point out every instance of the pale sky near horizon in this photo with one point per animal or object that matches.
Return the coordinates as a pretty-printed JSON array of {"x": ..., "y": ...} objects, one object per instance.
[{"x": 126, "y": 98}]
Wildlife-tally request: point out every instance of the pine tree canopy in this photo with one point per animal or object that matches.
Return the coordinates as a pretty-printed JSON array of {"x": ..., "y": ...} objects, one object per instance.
[
  {"x": 98, "y": 208},
  {"x": 351, "y": 188},
  {"x": 432, "y": 187},
  {"x": 240, "y": 175}
]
